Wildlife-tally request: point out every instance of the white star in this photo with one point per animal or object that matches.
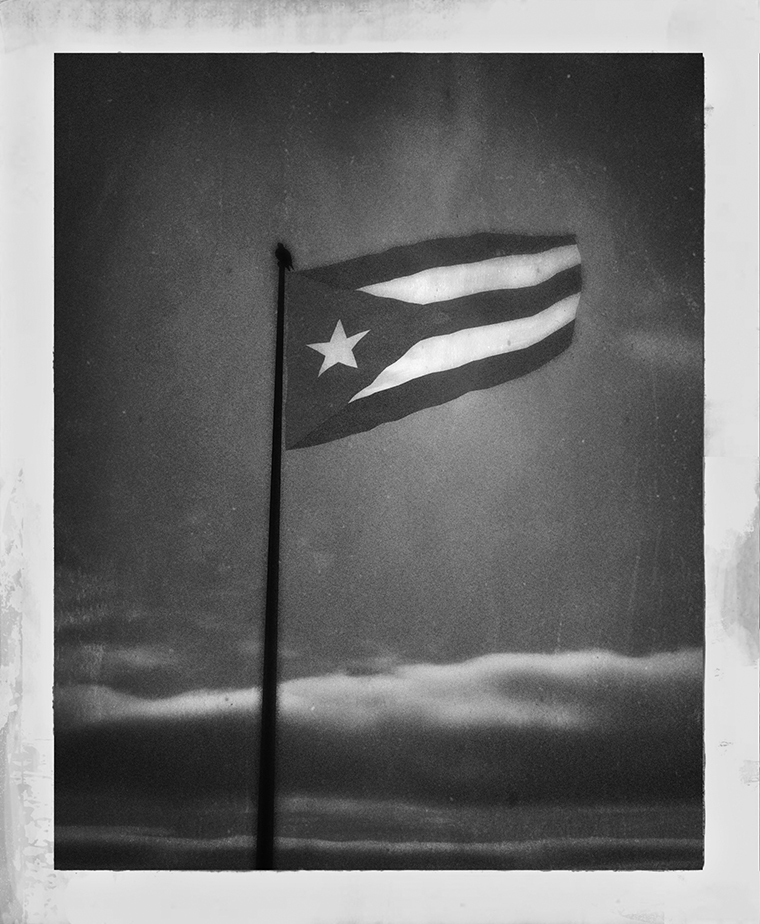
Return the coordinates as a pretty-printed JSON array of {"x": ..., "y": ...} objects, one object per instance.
[{"x": 339, "y": 349}]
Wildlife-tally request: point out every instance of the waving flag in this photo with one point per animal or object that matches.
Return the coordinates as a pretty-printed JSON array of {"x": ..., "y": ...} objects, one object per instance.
[{"x": 374, "y": 339}]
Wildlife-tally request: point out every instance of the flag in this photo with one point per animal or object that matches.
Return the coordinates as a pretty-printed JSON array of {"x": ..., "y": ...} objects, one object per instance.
[{"x": 374, "y": 339}]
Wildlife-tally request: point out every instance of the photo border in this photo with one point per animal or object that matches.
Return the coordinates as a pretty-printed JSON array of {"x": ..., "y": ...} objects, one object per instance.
[{"x": 726, "y": 889}]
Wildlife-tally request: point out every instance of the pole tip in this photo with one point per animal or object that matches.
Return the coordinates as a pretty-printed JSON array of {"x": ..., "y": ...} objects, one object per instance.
[{"x": 284, "y": 259}]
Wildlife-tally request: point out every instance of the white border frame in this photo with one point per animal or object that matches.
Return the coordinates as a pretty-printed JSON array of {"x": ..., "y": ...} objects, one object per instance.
[{"x": 726, "y": 32}]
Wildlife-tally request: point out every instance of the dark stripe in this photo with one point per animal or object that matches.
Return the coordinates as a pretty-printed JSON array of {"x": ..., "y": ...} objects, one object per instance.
[
  {"x": 439, "y": 388},
  {"x": 404, "y": 261}
]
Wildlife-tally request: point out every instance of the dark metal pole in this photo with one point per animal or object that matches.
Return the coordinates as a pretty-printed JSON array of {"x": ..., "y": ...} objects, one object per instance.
[{"x": 265, "y": 816}]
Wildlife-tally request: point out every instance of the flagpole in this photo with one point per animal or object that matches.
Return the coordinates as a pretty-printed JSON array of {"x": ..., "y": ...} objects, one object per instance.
[{"x": 265, "y": 813}]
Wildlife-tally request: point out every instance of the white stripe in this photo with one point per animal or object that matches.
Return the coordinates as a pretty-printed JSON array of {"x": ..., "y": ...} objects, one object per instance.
[
  {"x": 449, "y": 351},
  {"x": 442, "y": 283}
]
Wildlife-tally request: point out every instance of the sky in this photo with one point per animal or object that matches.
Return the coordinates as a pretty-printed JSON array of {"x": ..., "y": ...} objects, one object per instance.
[
  {"x": 560, "y": 513},
  {"x": 563, "y": 510}
]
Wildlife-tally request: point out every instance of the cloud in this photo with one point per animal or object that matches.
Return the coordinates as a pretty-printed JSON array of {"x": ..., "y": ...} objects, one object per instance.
[{"x": 589, "y": 725}]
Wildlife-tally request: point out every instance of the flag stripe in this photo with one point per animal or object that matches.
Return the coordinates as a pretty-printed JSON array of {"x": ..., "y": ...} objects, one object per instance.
[
  {"x": 444, "y": 283},
  {"x": 433, "y": 390},
  {"x": 449, "y": 351},
  {"x": 413, "y": 258}
]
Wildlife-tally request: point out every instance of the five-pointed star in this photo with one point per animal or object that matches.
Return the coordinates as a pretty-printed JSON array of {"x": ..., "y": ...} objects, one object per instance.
[{"x": 339, "y": 349}]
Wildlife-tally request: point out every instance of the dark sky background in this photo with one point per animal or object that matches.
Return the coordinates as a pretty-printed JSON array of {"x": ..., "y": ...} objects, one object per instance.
[{"x": 561, "y": 511}]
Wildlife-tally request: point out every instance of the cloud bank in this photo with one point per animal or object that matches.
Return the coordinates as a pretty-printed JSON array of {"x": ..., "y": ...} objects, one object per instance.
[{"x": 504, "y": 728}]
